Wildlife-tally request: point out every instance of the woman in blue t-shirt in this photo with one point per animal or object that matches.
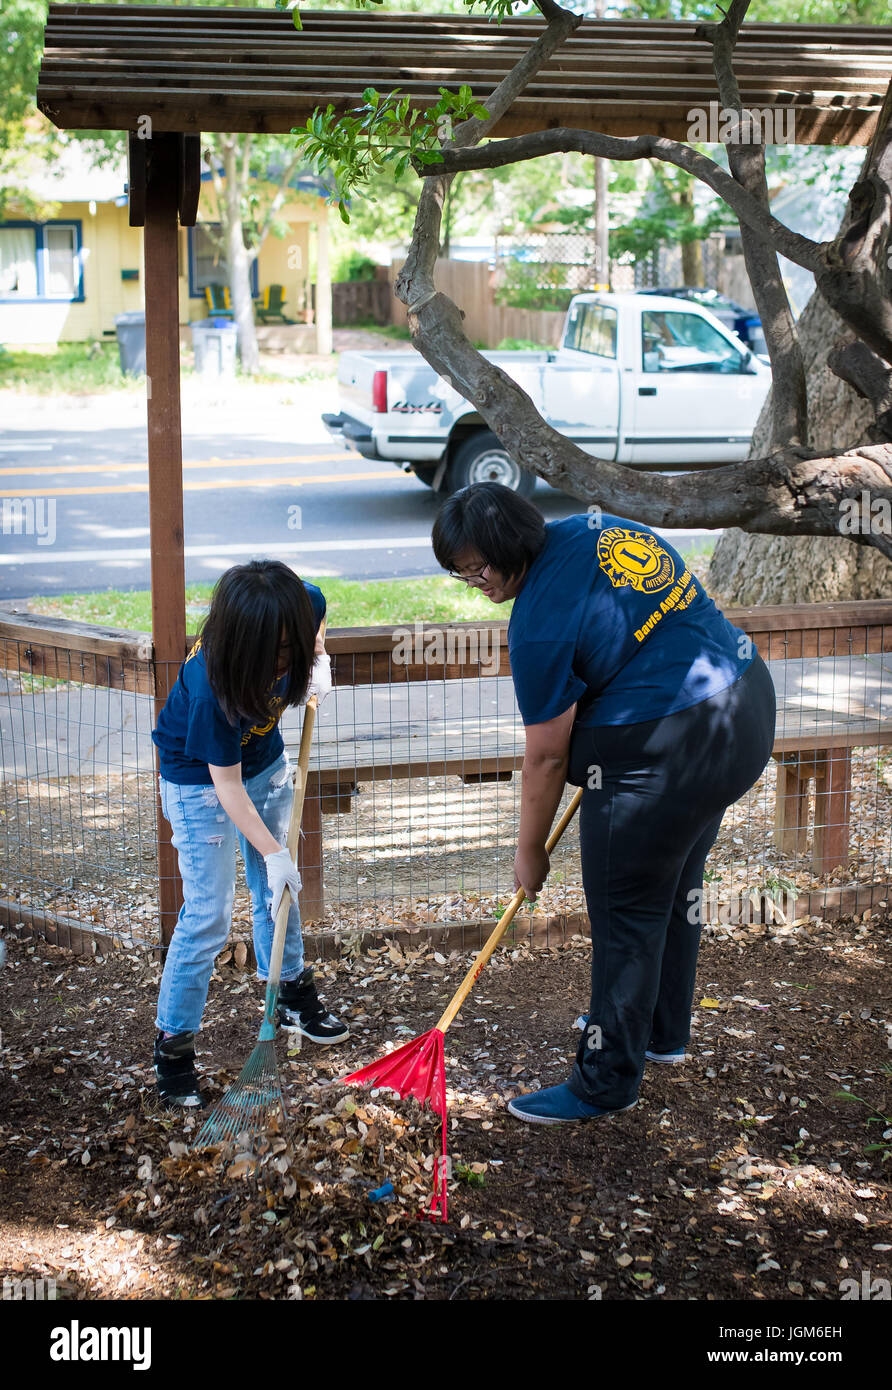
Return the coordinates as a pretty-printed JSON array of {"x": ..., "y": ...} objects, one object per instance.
[
  {"x": 632, "y": 685},
  {"x": 224, "y": 776}
]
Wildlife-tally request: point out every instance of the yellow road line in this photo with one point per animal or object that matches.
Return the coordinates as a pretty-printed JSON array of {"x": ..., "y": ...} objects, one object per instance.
[
  {"x": 197, "y": 463},
  {"x": 210, "y": 486}
]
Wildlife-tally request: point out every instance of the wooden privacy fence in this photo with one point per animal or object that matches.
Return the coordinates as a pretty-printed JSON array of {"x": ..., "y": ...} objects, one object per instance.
[
  {"x": 469, "y": 285},
  {"x": 355, "y": 301},
  {"x": 412, "y": 804}
]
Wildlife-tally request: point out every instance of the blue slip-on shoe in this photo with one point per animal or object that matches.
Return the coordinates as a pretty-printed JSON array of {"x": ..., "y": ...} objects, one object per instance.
[
  {"x": 557, "y": 1105},
  {"x": 679, "y": 1055}
]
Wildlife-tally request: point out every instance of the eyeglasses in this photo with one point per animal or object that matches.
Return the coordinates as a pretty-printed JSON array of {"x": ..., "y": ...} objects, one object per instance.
[{"x": 479, "y": 578}]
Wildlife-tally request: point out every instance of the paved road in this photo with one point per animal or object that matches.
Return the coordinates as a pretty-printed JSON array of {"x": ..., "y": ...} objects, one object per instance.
[{"x": 265, "y": 481}]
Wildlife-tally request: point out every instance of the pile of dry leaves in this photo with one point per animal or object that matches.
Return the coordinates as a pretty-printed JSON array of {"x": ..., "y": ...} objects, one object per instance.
[{"x": 744, "y": 1174}]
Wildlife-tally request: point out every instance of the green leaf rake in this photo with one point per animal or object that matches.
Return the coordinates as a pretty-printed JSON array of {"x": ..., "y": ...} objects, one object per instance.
[{"x": 256, "y": 1093}]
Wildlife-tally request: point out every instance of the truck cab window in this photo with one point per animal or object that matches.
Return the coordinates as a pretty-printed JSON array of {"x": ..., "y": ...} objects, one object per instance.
[
  {"x": 592, "y": 328},
  {"x": 679, "y": 342}
]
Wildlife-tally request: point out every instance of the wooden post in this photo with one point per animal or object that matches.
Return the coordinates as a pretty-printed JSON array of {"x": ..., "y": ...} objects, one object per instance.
[
  {"x": 794, "y": 772},
  {"x": 309, "y": 861},
  {"x": 164, "y": 180},
  {"x": 833, "y": 775},
  {"x": 324, "y": 339}
]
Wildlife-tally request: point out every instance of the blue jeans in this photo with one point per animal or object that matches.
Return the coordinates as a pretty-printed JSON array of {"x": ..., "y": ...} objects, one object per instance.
[{"x": 204, "y": 838}]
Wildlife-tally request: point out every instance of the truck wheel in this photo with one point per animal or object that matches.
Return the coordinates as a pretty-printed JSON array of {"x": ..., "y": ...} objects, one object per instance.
[
  {"x": 483, "y": 458},
  {"x": 425, "y": 473}
]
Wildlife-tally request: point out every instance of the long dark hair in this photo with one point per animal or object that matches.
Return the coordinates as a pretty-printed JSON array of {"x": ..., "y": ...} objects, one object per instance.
[
  {"x": 506, "y": 530},
  {"x": 254, "y": 608}
]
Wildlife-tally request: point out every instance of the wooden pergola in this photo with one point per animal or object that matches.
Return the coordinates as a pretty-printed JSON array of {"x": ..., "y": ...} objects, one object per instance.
[{"x": 110, "y": 67}]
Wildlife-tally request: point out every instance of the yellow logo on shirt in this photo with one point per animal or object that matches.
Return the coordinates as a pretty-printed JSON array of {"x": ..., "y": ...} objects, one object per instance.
[
  {"x": 634, "y": 559},
  {"x": 276, "y": 705}
]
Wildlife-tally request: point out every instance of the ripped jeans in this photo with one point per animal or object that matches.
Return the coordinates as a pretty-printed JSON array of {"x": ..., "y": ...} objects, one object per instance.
[{"x": 204, "y": 838}]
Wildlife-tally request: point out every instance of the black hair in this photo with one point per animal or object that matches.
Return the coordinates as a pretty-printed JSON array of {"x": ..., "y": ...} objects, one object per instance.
[
  {"x": 507, "y": 530},
  {"x": 254, "y": 609}
]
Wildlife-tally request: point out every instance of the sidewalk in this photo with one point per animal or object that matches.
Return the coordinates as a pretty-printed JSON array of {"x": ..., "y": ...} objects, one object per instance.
[{"x": 292, "y": 406}]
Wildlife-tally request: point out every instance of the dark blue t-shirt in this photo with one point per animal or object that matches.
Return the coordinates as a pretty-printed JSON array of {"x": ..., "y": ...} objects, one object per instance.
[
  {"x": 610, "y": 617},
  {"x": 193, "y": 731}
]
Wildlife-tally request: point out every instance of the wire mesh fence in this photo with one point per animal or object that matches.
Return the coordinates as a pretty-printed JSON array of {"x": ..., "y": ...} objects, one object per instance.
[
  {"x": 546, "y": 270},
  {"x": 413, "y": 801}
]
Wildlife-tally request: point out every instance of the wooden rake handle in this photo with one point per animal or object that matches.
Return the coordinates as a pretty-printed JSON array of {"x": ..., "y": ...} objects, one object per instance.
[
  {"x": 293, "y": 839},
  {"x": 507, "y": 918}
]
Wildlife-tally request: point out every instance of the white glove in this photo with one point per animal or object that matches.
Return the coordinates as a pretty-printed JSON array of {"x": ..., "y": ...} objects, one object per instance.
[
  {"x": 281, "y": 873},
  {"x": 320, "y": 679}
]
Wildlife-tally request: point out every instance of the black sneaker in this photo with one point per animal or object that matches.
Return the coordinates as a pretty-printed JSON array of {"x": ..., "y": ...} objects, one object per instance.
[
  {"x": 300, "y": 1010},
  {"x": 178, "y": 1086}
]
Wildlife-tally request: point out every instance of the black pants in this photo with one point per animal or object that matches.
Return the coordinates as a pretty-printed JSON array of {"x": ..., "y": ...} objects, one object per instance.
[{"x": 654, "y": 798}]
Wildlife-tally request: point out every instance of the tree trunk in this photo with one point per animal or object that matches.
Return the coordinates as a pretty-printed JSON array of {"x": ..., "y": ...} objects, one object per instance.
[
  {"x": 692, "y": 263},
  {"x": 752, "y": 569},
  {"x": 239, "y": 262}
]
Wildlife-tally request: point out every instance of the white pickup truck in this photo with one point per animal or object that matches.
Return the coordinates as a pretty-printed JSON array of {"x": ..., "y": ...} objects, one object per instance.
[{"x": 640, "y": 379}]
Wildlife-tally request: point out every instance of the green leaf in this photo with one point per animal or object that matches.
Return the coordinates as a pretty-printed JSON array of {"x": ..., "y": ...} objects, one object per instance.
[
  {"x": 295, "y": 17},
  {"x": 345, "y": 216},
  {"x": 479, "y": 110}
]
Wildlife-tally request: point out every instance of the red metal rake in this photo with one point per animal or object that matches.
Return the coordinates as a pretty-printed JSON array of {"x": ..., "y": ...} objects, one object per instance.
[{"x": 418, "y": 1068}]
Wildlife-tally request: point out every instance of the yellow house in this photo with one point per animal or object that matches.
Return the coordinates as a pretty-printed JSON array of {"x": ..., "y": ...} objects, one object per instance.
[{"x": 65, "y": 277}]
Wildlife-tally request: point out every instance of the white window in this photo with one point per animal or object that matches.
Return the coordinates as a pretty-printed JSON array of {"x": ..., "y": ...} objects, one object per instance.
[
  {"x": 592, "y": 328},
  {"x": 675, "y": 341},
  {"x": 61, "y": 264},
  {"x": 40, "y": 260},
  {"x": 18, "y": 262}
]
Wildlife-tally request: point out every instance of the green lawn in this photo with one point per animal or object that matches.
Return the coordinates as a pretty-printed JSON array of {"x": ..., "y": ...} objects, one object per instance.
[
  {"x": 79, "y": 369},
  {"x": 66, "y": 368},
  {"x": 351, "y": 603}
]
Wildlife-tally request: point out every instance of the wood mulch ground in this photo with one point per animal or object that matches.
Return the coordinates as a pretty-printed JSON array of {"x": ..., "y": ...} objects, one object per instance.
[{"x": 742, "y": 1175}]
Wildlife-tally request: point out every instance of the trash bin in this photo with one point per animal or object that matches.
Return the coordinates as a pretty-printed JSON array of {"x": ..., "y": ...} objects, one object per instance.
[
  {"x": 215, "y": 342},
  {"x": 131, "y": 331},
  {"x": 749, "y": 328}
]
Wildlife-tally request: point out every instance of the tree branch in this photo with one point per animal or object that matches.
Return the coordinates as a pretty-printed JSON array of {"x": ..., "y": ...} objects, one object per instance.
[
  {"x": 856, "y": 279},
  {"x": 785, "y": 493},
  {"x": 625, "y": 148},
  {"x": 415, "y": 283},
  {"x": 561, "y": 24},
  {"x": 746, "y": 159},
  {"x": 870, "y": 378}
]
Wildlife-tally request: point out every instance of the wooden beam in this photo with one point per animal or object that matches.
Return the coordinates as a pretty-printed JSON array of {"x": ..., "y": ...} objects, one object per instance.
[
  {"x": 198, "y": 69},
  {"x": 189, "y": 185},
  {"x": 136, "y": 179},
  {"x": 165, "y": 460}
]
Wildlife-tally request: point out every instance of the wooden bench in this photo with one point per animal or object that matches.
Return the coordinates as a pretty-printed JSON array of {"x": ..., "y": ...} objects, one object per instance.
[{"x": 440, "y": 720}]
